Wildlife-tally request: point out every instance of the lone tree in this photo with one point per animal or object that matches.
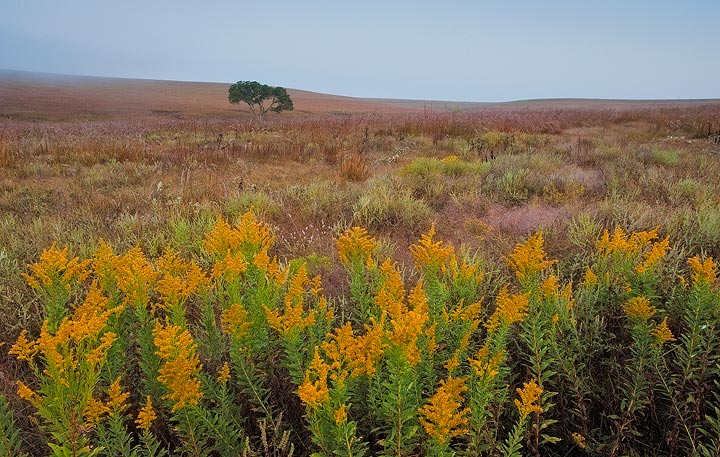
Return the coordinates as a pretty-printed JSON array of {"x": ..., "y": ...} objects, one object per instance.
[{"x": 261, "y": 98}]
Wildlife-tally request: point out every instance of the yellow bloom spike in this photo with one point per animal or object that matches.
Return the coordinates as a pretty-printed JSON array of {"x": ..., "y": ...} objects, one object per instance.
[
  {"x": 146, "y": 416},
  {"x": 136, "y": 277},
  {"x": 23, "y": 348},
  {"x": 340, "y": 415},
  {"x": 485, "y": 366},
  {"x": 529, "y": 257},
  {"x": 662, "y": 332},
  {"x": 591, "y": 278},
  {"x": 25, "y": 392},
  {"x": 430, "y": 255},
  {"x": 510, "y": 309},
  {"x": 356, "y": 243},
  {"x": 313, "y": 392},
  {"x": 234, "y": 321},
  {"x": 656, "y": 253},
  {"x": 390, "y": 298},
  {"x": 117, "y": 399},
  {"x": 639, "y": 308},
  {"x": 180, "y": 365},
  {"x": 55, "y": 267},
  {"x": 442, "y": 416},
  {"x": 224, "y": 373},
  {"x": 529, "y": 401},
  {"x": 703, "y": 271},
  {"x": 622, "y": 243},
  {"x": 95, "y": 411}
]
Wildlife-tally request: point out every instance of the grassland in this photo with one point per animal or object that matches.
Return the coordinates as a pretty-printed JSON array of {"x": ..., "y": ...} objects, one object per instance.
[{"x": 156, "y": 169}]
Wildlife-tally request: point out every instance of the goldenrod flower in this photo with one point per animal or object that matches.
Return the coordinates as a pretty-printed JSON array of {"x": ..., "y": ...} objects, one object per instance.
[
  {"x": 662, "y": 332},
  {"x": 180, "y": 278},
  {"x": 590, "y": 278},
  {"x": 314, "y": 390},
  {"x": 136, "y": 277},
  {"x": 234, "y": 321},
  {"x": 639, "y": 308},
  {"x": 117, "y": 399},
  {"x": 23, "y": 348},
  {"x": 250, "y": 236},
  {"x": 146, "y": 416},
  {"x": 485, "y": 366},
  {"x": 550, "y": 286},
  {"x": 55, "y": 267},
  {"x": 510, "y": 309},
  {"x": 408, "y": 326},
  {"x": 24, "y": 391},
  {"x": 657, "y": 252},
  {"x": 231, "y": 267},
  {"x": 442, "y": 417},
  {"x": 356, "y": 243},
  {"x": 529, "y": 401},
  {"x": 703, "y": 271},
  {"x": 94, "y": 411},
  {"x": 105, "y": 264},
  {"x": 390, "y": 298},
  {"x": 625, "y": 244},
  {"x": 579, "y": 440},
  {"x": 180, "y": 364},
  {"x": 292, "y": 318},
  {"x": 340, "y": 415},
  {"x": 354, "y": 355},
  {"x": 224, "y": 373},
  {"x": 430, "y": 255},
  {"x": 529, "y": 257}
]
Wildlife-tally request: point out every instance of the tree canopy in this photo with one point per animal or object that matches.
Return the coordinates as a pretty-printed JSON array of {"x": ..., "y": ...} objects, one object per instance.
[{"x": 261, "y": 98}]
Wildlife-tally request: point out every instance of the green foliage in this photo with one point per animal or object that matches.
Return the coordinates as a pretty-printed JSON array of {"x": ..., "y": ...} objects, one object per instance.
[
  {"x": 261, "y": 98},
  {"x": 10, "y": 442}
]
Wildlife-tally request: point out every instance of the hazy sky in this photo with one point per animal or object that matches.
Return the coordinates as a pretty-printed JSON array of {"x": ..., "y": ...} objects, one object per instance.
[{"x": 445, "y": 50}]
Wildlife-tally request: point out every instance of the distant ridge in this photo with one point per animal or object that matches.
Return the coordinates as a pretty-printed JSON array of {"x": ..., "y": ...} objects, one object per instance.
[{"x": 30, "y": 95}]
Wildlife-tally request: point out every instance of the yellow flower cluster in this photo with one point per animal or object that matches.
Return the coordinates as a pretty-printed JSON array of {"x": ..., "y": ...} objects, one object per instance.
[
  {"x": 250, "y": 235},
  {"x": 117, "y": 398},
  {"x": 639, "y": 308},
  {"x": 352, "y": 355},
  {"x": 662, "y": 332},
  {"x": 409, "y": 324},
  {"x": 180, "y": 364},
  {"x": 55, "y": 267},
  {"x": 229, "y": 267},
  {"x": 94, "y": 412},
  {"x": 234, "y": 321},
  {"x": 180, "y": 278},
  {"x": 146, "y": 416},
  {"x": 314, "y": 391},
  {"x": 136, "y": 277},
  {"x": 484, "y": 365},
  {"x": 529, "y": 258},
  {"x": 622, "y": 243},
  {"x": 391, "y": 296},
  {"x": 529, "y": 401},
  {"x": 590, "y": 278},
  {"x": 356, "y": 243},
  {"x": 224, "y": 373},
  {"x": 443, "y": 417},
  {"x": 292, "y": 318},
  {"x": 465, "y": 271},
  {"x": 431, "y": 255},
  {"x": 658, "y": 250},
  {"x": 703, "y": 271},
  {"x": 510, "y": 309}
]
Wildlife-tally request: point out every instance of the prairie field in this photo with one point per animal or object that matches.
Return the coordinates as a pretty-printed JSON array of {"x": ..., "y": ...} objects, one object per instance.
[{"x": 358, "y": 277}]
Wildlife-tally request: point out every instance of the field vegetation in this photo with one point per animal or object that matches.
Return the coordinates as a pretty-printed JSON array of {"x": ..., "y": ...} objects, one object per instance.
[{"x": 494, "y": 282}]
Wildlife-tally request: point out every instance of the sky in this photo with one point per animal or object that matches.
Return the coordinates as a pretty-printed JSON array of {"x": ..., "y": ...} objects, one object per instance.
[{"x": 431, "y": 50}]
